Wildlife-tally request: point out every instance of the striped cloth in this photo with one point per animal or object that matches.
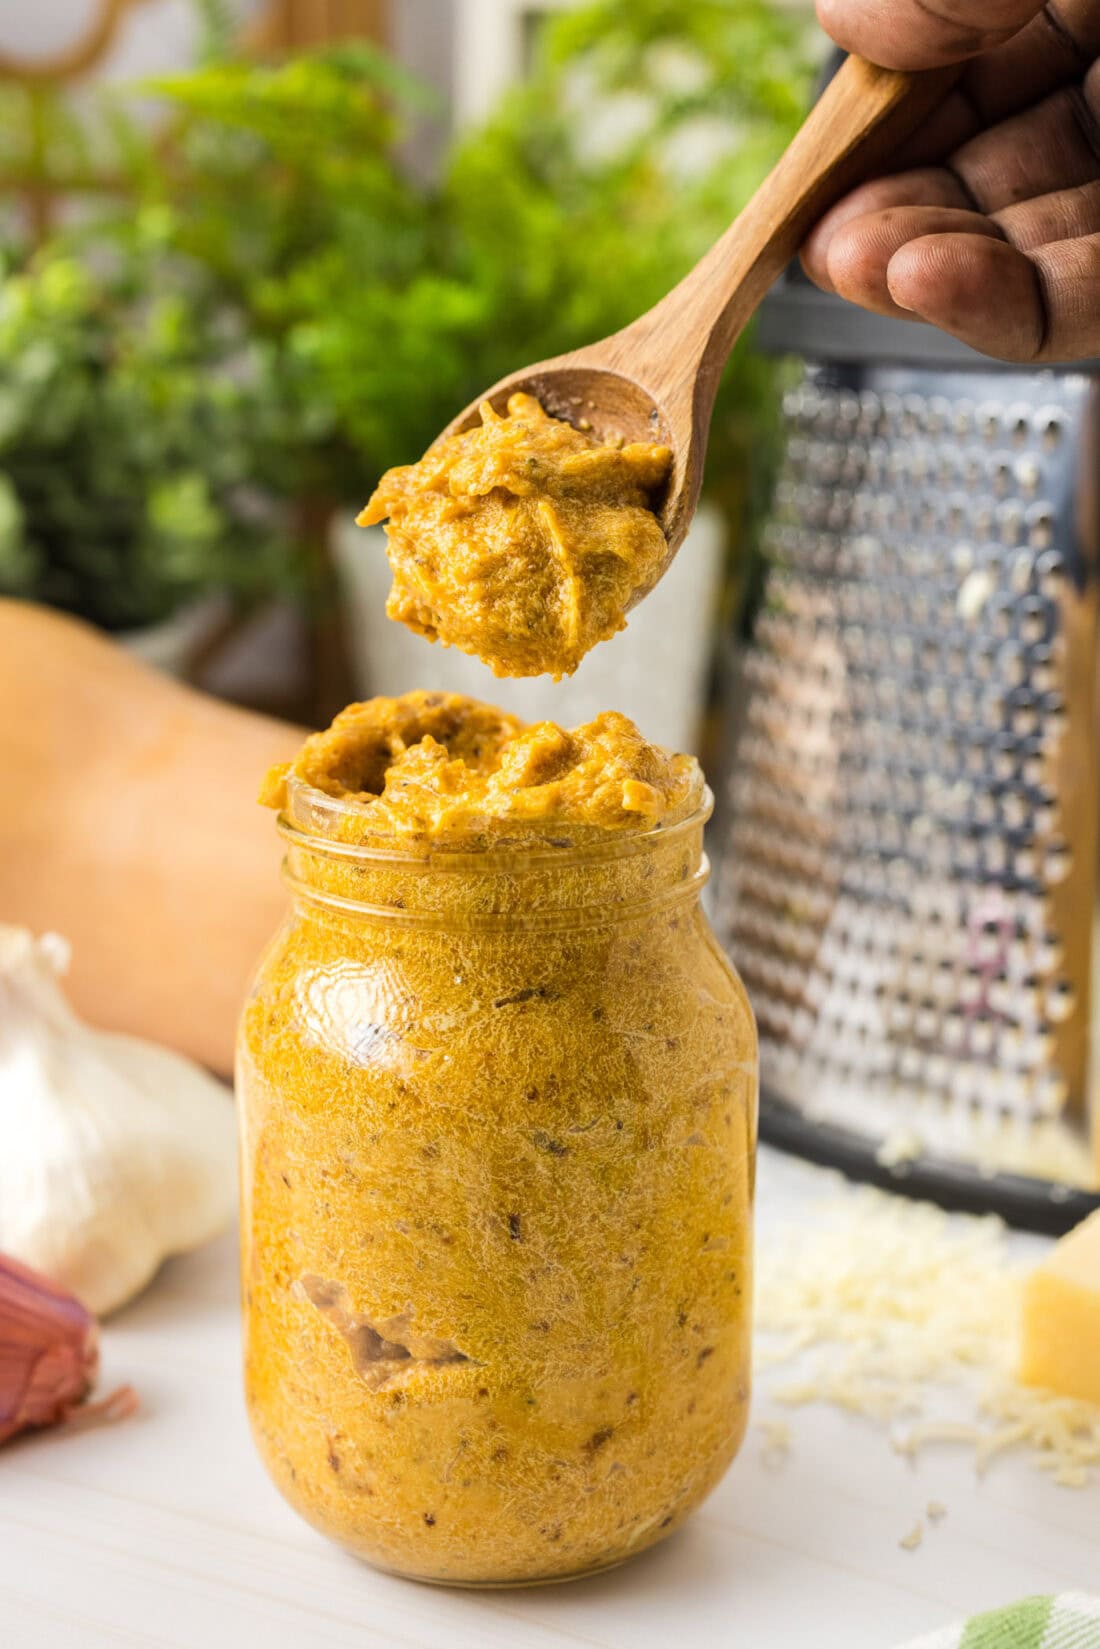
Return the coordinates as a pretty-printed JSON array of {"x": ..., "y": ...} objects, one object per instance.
[{"x": 1069, "y": 1621}]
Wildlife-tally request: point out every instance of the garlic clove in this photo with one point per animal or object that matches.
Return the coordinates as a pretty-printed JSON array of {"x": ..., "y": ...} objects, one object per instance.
[
  {"x": 49, "y": 1350},
  {"x": 49, "y": 1356},
  {"x": 116, "y": 1153}
]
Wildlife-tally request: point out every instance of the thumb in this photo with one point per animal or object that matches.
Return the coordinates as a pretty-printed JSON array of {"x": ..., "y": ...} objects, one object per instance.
[{"x": 910, "y": 34}]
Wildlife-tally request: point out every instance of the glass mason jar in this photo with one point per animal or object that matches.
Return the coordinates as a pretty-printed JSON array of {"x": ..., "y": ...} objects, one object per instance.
[{"x": 499, "y": 1115}]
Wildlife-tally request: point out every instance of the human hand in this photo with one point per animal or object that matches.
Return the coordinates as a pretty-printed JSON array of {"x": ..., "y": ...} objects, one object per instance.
[{"x": 990, "y": 225}]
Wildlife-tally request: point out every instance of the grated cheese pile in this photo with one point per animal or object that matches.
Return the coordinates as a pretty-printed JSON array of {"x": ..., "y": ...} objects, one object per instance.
[{"x": 891, "y": 1310}]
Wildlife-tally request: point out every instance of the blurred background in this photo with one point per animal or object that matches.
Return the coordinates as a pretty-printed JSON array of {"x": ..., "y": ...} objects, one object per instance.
[{"x": 253, "y": 252}]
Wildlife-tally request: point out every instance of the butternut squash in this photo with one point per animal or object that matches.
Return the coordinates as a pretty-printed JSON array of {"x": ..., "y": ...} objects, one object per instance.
[{"x": 129, "y": 824}]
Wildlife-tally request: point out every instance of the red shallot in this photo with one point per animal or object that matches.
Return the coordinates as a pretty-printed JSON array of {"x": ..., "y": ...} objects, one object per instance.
[{"x": 49, "y": 1355}]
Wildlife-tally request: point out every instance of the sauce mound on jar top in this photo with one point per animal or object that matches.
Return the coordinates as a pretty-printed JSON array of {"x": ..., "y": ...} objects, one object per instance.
[
  {"x": 523, "y": 540},
  {"x": 444, "y": 767}
]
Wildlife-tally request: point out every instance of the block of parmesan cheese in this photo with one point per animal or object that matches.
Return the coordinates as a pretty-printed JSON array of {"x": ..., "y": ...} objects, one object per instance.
[{"x": 1060, "y": 1342}]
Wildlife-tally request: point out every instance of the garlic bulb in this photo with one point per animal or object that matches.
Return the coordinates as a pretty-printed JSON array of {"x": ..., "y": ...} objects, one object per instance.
[{"x": 113, "y": 1153}]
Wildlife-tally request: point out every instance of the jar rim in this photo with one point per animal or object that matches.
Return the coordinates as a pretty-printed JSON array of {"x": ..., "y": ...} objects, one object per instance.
[{"x": 510, "y": 856}]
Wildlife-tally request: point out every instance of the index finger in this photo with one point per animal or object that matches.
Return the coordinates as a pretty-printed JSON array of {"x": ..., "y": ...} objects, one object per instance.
[{"x": 912, "y": 34}]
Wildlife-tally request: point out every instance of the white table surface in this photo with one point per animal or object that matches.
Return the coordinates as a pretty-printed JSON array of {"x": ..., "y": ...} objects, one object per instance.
[{"x": 164, "y": 1531}]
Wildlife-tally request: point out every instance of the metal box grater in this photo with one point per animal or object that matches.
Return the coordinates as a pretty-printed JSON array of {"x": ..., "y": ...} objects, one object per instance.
[{"x": 907, "y": 847}]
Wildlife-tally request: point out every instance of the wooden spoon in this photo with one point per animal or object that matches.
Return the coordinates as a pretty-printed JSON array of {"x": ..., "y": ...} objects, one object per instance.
[{"x": 656, "y": 380}]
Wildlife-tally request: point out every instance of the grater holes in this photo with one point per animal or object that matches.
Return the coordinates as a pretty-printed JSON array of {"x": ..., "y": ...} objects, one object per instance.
[
  {"x": 982, "y": 519},
  {"x": 1002, "y": 474},
  {"x": 892, "y": 504},
  {"x": 987, "y": 421},
  {"x": 1028, "y": 473},
  {"x": 1060, "y": 1001},
  {"x": 870, "y": 412},
  {"x": 1049, "y": 568},
  {"x": 1037, "y": 616},
  {"x": 1039, "y": 522},
  {"x": 1009, "y": 522},
  {"x": 963, "y": 418},
  {"x": 1018, "y": 423},
  {"x": 1050, "y": 426},
  {"x": 955, "y": 514},
  {"x": 1057, "y": 861},
  {"x": 1023, "y": 572},
  {"x": 972, "y": 468}
]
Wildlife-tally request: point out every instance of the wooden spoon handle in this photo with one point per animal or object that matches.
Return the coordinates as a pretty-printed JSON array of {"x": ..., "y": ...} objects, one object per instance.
[{"x": 851, "y": 133}]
